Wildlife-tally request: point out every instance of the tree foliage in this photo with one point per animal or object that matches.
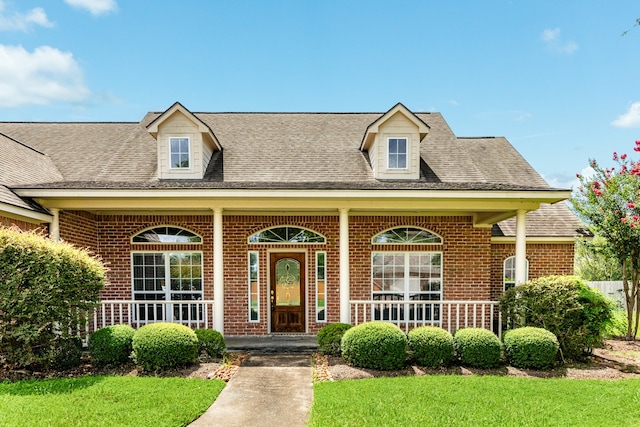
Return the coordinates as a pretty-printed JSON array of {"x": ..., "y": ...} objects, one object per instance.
[
  {"x": 46, "y": 290},
  {"x": 594, "y": 262},
  {"x": 609, "y": 203}
]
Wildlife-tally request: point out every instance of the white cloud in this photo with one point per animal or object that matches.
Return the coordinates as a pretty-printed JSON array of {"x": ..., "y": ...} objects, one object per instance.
[
  {"x": 554, "y": 42},
  {"x": 549, "y": 35},
  {"x": 95, "y": 7},
  {"x": 566, "y": 181},
  {"x": 523, "y": 116},
  {"x": 39, "y": 77},
  {"x": 16, "y": 21},
  {"x": 630, "y": 119}
]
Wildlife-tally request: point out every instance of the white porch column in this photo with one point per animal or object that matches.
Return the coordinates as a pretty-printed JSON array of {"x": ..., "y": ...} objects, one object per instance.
[
  {"x": 345, "y": 308},
  {"x": 218, "y": 272},
  {"x": 521, "y": 247},
  {"x": 54, "y": 227}
]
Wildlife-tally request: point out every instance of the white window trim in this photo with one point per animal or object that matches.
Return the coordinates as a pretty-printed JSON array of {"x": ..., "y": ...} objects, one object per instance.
[
  {"x": 171, "y": 166},
  {"x": 407, "y": 243},
  {"x": 406, "y": 153},
  {"x": 325, "y": 287},
  {"x": 167, "y": 277},
  {"x": 257, "y": 254},
  {"x": 286, "y": 242},
  {"x": 166, "y": 243},
  {"x": 504, "y": 268},
  {"x": 407, "y": 272}
]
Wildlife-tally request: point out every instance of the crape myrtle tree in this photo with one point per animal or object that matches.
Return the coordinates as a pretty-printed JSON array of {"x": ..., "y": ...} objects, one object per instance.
[{"x": 609, "y": 203}]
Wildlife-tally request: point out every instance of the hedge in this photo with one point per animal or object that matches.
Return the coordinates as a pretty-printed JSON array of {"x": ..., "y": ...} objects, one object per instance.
[{"x": 47, "y": 290}]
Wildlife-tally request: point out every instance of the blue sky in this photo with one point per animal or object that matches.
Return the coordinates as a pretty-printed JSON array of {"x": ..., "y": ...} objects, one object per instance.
[{"x": 557, "y": 78}]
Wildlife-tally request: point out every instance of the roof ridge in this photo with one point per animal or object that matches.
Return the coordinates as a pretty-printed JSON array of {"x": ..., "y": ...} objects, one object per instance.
[
  {"x": 291, "y": 112},
  {"x": 69, "y": 123},
  {"x": 479, "y": 137}
]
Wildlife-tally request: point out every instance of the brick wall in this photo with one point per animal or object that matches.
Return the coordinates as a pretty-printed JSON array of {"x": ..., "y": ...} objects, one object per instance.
[
  {"x": 79, "y": 228},
  {"x": 545, "y": 259},
  {"x": 23, "y": 225}
]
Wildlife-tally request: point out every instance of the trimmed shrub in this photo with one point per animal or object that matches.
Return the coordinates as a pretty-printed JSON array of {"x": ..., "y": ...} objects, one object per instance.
[
  {"x": 564, "y": 305},
  {"x": 376, "y": 345},
  {"x": 159, "y": 346},
  {"x": 477, "y": 347},
  {"x": 211, "y": 342},
  {"x": 431, "y": 346},
  {"x": 111, "y": 345},
  {"x": 67, "y": 353},
  {"x": 530, "y": 347},
  {"x": 330, "y": 336},
  {"x": 47, "y": 289}
]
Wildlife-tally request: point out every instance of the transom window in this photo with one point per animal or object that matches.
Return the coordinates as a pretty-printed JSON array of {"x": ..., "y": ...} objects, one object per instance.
[
  {"x": 397, "y": 153},
  {"x": 407, "y": 235},
  {"x": 509, "y": 275},
  {"x": 286, "y": 234},
  {"x": 179, "y": 153},
  {"x": 167, "y": 276},
  {"x": 406, "y": 276},
  {"x": 166, "y": 234}
]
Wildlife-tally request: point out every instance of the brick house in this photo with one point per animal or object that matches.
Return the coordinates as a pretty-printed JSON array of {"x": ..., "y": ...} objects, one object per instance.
[{"x": 260, "y": 223}]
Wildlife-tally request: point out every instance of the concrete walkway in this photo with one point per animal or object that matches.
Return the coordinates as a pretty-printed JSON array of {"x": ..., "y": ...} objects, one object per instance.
[{"x": 268, "y": 390}]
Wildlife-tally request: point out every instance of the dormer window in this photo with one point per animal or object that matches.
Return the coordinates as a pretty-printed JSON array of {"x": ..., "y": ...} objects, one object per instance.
[
  {"x": 397, "y": 153},
  {"x": 180, "y": 156}
]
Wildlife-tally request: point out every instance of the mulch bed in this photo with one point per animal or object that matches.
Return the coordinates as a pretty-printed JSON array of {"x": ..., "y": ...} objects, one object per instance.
[
  {"x": 207, "y": 368},
  {"x": 618, "y": 359}
]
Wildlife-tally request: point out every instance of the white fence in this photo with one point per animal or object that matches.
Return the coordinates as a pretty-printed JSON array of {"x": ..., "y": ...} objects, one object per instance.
[
  {"x": 613, "y": 289},
  {"x": 450, "y": 315}
]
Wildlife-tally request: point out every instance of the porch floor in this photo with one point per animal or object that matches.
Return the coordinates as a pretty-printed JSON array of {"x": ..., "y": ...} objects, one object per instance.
[{"x": 276, "y": 343}]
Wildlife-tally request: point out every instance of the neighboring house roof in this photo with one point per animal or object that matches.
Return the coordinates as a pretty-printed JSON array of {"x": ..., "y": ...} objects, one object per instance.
[
  {"x": 272, "y": 150},
  {"x": 549, "y": 221}
]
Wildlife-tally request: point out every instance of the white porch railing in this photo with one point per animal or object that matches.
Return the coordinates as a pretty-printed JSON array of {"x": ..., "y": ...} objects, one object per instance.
[
  {"x": 450, "y": 315},
  {"x": 193, "y": 313}
]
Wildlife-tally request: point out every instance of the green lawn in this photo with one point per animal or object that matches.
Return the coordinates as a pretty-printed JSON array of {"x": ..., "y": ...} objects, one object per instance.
[
  {"x": 106, "y": 401},
  {"x": 476, "y": 401}
]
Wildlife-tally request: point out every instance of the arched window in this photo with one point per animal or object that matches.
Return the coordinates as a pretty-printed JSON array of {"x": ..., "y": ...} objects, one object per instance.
[
  {"x": 287, "y": 234},
  {"x": 407, "y": 275},
  {"x": 166, "y": 234},
  {"x": 407, "y": 235},
  {"x": 160, "y": 277},
  {"x": 509, "y": 274}
]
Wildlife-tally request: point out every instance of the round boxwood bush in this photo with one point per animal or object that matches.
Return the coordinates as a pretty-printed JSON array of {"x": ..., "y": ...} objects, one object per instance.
[
  {"x": 111, "y": 345},
  {"x": 530, "y": 347},
  {"x": 159, "y": 346},
  {"x": 211, "y": 342},
  {"x": 431, "y": 346},
  {"x": 376, "y": 345},
  {"x": 330, "y": 336},
  {"x": 477, "y": 347}
]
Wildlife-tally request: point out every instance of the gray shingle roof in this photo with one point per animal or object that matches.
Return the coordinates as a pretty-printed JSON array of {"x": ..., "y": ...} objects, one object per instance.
[
  {"x": 555, "y": 220},
  {"x": 272, "y": 150}
]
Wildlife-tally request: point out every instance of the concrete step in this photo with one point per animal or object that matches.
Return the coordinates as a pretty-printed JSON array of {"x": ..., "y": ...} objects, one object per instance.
[{"x": 264, "y": 344}]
